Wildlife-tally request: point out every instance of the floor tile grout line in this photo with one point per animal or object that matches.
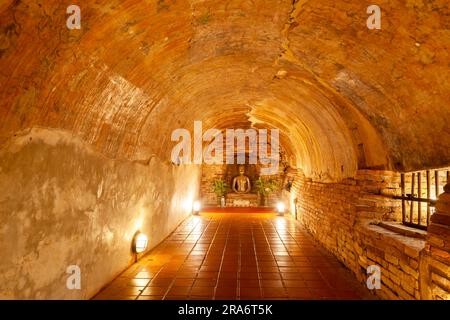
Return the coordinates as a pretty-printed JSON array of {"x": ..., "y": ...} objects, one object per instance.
[
  {"x": 299, "y": 246},
  {"x": 163, "y": 265},
  {"x": 320, "y": 247},
  {"x": 189, "y": 234},
  {"x": 257, "y": 264},
  {"x": 282, "y": 278},
  {"x": 321, "y": 275},
  {"x": 271, "y": 251},
  {"x": 209, "y": 247},
  {"x": 189, "y": 254},
  {"x": 221, "y": 261},
  {"x": 238, "y": 280},
  {"x": 159, "y": 271},
  {"x": 277, "y": 242}
]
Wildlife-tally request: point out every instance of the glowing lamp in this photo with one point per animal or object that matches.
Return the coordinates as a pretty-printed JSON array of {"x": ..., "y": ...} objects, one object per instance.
[
  {"x": 280, "y": 207},
  {"x": 140, "y": 242},
  {"x": 196, "y": 207}
]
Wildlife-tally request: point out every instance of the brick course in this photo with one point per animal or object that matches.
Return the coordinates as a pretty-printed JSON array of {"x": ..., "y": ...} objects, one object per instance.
[{"x": 345, "y": 217}]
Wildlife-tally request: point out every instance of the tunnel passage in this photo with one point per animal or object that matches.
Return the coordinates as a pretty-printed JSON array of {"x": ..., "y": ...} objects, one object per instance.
[{"x": 87, "y": 116}]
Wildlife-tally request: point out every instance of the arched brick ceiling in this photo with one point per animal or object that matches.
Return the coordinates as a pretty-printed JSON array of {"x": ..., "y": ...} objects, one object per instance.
[{"x": 343, "y": 96}]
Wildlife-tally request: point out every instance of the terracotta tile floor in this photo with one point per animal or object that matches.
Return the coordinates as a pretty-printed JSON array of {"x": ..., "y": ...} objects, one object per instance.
[{"x": 226, "y": 256}]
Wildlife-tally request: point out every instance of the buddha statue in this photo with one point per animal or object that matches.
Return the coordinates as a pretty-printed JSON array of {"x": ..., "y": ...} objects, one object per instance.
[{"x": 241, "y": 183}]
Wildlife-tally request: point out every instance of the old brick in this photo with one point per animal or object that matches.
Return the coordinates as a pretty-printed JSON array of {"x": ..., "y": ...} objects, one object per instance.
[
  {"x": 443, "y": 282},
  {"x": 391, "y": 259},
  {"x": 406, "y": 268}
]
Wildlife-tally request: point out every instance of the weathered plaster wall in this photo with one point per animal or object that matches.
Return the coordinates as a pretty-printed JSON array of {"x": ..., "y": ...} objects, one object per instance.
[{"x": 61, "y": 204}]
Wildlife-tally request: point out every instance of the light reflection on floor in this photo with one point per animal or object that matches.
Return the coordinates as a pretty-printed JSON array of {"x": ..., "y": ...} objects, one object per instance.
[{"x": 237, "y": 256}]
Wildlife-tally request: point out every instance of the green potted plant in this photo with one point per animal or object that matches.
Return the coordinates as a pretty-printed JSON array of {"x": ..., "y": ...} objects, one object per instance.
[
  {"x": 265, "y": 187},
  {"x": 220, "y": 189}
]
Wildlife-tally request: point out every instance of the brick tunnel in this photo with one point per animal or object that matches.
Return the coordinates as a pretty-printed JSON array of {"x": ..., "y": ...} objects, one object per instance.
[{"x": 224, "y": 149}]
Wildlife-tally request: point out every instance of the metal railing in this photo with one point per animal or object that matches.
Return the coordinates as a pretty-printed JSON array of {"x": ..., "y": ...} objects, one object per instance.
[{"x": 419, "y": 201}]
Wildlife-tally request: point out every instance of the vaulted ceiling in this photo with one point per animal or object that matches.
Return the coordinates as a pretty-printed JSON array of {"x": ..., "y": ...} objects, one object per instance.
[{"x": 342, "y": 95}]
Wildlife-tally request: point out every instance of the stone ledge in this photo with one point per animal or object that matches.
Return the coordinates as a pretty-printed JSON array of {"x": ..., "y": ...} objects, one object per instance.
[
  {"x": 403, "y": 230},
  {"x": 398, "y": 238}
]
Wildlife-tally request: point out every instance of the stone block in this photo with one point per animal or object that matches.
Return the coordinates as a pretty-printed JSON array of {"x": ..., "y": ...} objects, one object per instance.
[
  {"x": 407, "y": 269},
  {"x": 391, "y": 258},
  {"x": 411, "y": 252},
  {"x": 443, "y": 282}
]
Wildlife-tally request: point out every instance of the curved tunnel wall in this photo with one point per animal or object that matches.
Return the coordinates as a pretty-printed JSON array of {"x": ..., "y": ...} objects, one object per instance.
[
  {"x": 174, "y": 62},
  {"x": 344, "y": 97}
]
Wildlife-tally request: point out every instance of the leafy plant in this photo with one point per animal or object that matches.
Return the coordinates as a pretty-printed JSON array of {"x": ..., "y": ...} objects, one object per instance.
[
  {"x": 220, "y": 187},
  {"x": 266, "y": 186}
]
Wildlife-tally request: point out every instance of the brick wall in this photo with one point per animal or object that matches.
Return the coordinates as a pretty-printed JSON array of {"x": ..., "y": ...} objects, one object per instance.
[
  {"x": 396, "y": 255},
  {"x": 329, "y": 210},
  {"x": 438, "y": 249},
  {"x": 345, "y": 218},
  {"x": 209, "y": 174}
]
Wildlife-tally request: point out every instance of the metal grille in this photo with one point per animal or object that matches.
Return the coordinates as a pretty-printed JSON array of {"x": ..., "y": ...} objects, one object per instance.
[{"x": 419, "y": 193}]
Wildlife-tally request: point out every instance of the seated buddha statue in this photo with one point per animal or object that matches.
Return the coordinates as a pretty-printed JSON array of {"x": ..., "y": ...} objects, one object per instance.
[{"x": 241, "y": 183}]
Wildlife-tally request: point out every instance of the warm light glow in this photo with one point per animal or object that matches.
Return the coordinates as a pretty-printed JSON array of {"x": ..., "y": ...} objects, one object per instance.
[
  {"x": 197, "y": 221},
  {"x": 281, "y": 224},
  {"x": 138, "y": 224},
  {"x": 187, "y": 204},
  {"x": 140, "y": 242},
  {"x": 280, "y": 207},
  {"x": 196, "y": 206}
]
